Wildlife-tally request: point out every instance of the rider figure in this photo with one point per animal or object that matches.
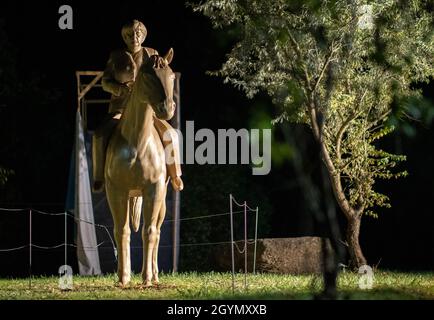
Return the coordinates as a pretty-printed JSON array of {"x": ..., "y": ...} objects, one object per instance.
[{"x": 118, "y": 78}]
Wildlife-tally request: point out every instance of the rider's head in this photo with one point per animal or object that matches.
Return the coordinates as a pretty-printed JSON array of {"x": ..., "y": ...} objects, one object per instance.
[{"x": 134, "y": 33}]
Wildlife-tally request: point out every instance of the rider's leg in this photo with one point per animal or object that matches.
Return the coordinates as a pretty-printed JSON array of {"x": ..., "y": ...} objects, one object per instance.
[
  {"x": 169, "y": 137},
  {"x": 97, "y": 162},
  {"x": 99, "y": 146}
]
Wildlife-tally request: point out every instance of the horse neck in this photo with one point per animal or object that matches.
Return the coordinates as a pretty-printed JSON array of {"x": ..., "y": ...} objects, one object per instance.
[{"x": 137, "y": 120}]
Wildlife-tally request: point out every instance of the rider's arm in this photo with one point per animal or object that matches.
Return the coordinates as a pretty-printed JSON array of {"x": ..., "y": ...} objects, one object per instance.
[
  {"x": 151, "y": 51},
  {"x": 109, "y": 82}
]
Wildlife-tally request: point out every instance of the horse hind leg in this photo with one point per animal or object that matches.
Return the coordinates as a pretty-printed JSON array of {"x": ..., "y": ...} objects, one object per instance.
[{"x": 119, "y": 208}]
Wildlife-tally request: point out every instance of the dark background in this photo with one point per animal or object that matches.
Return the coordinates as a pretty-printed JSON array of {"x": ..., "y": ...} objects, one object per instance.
[{"x": 38, "y": 63}]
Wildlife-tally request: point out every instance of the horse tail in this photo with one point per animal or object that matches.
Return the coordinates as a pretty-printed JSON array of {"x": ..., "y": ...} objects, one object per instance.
[{"x": 135, "y": 208}]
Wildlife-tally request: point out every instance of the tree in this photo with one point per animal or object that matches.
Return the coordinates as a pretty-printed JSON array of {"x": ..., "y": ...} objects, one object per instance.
[{"x": 340, "y": 67}]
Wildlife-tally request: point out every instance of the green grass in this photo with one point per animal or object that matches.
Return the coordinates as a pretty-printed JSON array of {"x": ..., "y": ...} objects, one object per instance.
[{"x": 387, "y": 285}]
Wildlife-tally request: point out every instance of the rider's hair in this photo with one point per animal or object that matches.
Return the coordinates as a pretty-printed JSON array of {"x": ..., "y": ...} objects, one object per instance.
[{"x": 135, "y": 25}]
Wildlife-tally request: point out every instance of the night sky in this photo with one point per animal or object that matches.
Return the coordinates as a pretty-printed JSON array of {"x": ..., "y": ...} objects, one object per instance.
[
  {"x": 54, "y": 55},
  {"x": 402, "y": 238}
]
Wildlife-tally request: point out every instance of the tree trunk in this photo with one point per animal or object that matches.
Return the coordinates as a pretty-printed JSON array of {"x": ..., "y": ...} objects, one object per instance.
[
  {"x": 354, "y": 217},
  {"x": 357, "y": 259}
]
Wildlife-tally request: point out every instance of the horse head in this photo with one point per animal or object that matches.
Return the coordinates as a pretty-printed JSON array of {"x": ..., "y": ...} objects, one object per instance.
[{"x": 158, "y": 79}]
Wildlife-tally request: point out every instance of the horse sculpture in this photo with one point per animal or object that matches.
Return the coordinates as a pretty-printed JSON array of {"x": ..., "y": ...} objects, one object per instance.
[{"x": 135, "y": 170}]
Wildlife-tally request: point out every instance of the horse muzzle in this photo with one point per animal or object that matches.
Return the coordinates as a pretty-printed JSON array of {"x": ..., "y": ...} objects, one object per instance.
[{"x": 165, "y": 110}]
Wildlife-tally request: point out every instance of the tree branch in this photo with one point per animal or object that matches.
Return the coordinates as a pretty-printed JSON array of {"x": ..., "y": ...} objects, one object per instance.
[
  {"x": 383, "y": 116},
  {"x": 324, "y": 68},
  {"x": 299, "y": 54},
  {"x": 346, "y": 124}
]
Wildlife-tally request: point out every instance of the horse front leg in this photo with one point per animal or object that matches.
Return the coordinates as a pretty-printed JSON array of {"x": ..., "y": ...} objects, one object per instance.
[
  {"x": 150, "y": 232},
  {"x": 161, "y": 216},
  {"x": 119, "y": 207}
]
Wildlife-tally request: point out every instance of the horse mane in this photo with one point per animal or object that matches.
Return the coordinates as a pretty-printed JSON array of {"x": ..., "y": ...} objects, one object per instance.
[
  {"x": 147, "y": 69},
  {"x": 155, "y": 61}
]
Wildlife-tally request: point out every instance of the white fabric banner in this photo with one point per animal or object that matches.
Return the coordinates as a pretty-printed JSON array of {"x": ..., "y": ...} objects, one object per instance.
[{"x": 87, "y": 251}]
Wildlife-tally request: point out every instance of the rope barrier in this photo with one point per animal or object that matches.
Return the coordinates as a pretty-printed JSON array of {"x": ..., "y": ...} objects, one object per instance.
[
  {"x": 242, "y": 205},
  {"x": 93, "y": 247},
  {"x": 53, "y": 247},
  {"x": 14, "y": 210},
  {"x": 99, "y": 246},
  {"x": 246, "y": 242},
  {"x": 235, "y": 201},
  {"x": 249, "y": 209},
  {"x": 207, "y": 216},
  {"x": 14, "y": 249},
  {"x": 238, "y": 249},
  {"x": 48, "y": 213},
  {"x": 189, "y": 244},
  {"x": 99, "y": 225},
  {"x": 61, "y": 214},
  {"x": 48, "y": 248},
  {"x": 113, "y": 246},
  {"x": 251, "y": 241},
  {"x": 106, "y": 227},
  {"x": 95, "y": 224}
]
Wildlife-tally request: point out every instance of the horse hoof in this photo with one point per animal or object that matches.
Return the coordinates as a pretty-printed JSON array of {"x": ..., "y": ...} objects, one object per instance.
[
  {"x": 124, "y": 281},
  {"x": 147, "y": 284}
]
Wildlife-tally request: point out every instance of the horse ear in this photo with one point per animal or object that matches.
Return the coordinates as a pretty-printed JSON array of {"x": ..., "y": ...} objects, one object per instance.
[{"x": 169, "y": 56}]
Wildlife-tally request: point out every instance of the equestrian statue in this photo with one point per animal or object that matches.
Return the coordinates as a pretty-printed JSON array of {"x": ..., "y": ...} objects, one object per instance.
[{"x": 130, "y": 148}]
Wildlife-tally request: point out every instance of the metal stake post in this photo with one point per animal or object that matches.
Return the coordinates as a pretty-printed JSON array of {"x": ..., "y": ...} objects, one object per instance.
[
  {"x": 66, "y": 240},
  {"x": 256, "y": 240},
  {"x": 30, "y": 248},
  {"x": 245, "y": 245},
  {"x": 232, "y": 244}
]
